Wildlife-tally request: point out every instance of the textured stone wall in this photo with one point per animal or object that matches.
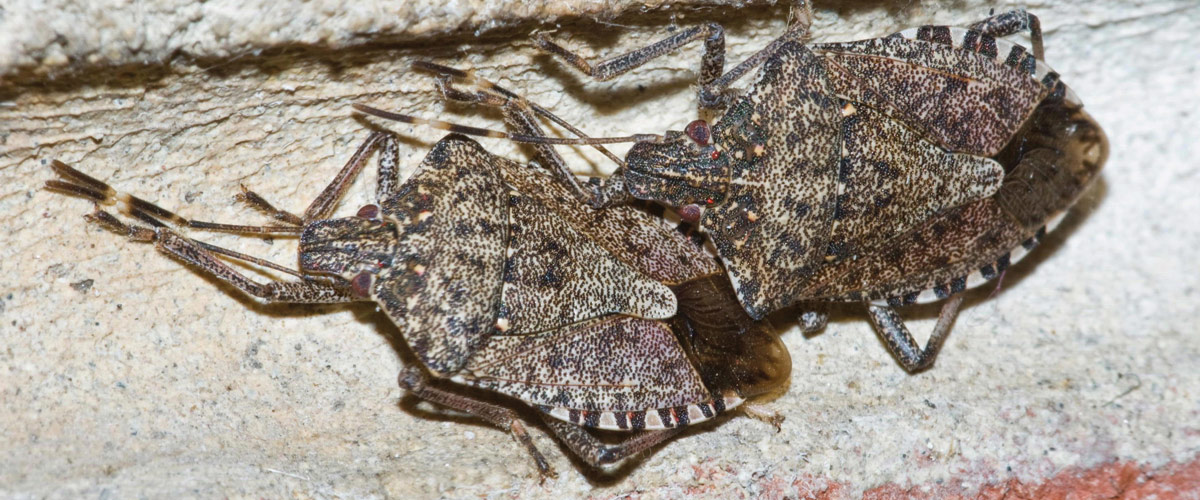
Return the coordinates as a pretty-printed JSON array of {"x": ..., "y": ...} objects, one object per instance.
[{"x": 123, "y": 373}]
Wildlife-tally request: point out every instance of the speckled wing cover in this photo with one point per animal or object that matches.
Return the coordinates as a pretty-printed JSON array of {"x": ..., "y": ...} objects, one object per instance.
[
  {"x": 962, "y": 100},
  {"x": 555, "y": 275},
  {"x": 443, "y": 287},
  {"x": 638, "y": 238},
  {"x": 615, "y": 363},
  {"x": 1059, "y": 155},
  {"x": 971, "y": 93},
  {"x": 892, "y": 179},
  {"x": 772, "y": 228},
  {"x": 505, "y": 282},
  {"x": 893, "y": 106}
]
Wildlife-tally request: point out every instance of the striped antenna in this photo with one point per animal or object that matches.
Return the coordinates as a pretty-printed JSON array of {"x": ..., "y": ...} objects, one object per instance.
[{"x": 80, "y": 184}]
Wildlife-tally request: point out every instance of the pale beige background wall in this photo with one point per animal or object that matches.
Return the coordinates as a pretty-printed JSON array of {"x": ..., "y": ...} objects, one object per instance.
[{"x": 123, "y": 374}]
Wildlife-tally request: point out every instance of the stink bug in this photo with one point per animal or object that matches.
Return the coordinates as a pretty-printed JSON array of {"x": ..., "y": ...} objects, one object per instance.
[
  {"x": 497, "y": 278},
  {"x": 887, "y": 171}
]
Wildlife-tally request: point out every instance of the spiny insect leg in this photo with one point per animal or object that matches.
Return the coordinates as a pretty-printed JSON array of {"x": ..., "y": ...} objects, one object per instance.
[
  {"x": 519, "y": 114},
  {"x": 323, "y": 205},
  {"x": 599, "y": 454},
  {"x": 80, "y": 184},
  {"x": 1012, "y": 22},
  {"x": 414, "y": 380},
  {"x": 712, "y": 63},
  {"x": 901, "y": 343},
  {"x": 202, "y": 256},
  {"x": 713, "y": 84},
  {"x": 490, "y": 94}
]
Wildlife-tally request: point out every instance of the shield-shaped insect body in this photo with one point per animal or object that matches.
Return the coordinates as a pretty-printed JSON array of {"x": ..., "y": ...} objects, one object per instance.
[
  {"x": 497, "y": 278},
  {"x": 890, "y": 171}
]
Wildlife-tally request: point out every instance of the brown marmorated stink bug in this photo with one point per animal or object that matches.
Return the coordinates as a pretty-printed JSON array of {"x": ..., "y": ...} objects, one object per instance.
[
  {"x": 498, "y": 278},
  {"x": 887, "y": 171}
]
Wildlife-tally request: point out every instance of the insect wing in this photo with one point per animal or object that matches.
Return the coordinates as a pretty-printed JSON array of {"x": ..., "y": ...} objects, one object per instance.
[
  {"x": 612, "y": 364},
  {"x": 891, "y": 179},
  {"x": 635, "y": 236},
  {"x": 555, "y": 275},
  {"x": 1049, "y": 165},
  {"x": 966, "y": 101}
]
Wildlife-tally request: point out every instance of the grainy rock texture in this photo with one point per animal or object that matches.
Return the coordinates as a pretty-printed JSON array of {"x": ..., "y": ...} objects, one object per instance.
[
  {"x": 44, "y": 37},
  {"x": 124, "y": 374}
]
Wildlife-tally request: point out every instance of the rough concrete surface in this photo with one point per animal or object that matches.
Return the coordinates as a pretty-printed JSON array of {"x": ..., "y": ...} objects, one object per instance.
[
  {"x": 41, "y": 38},
  {"x": 124, "y": 374}
]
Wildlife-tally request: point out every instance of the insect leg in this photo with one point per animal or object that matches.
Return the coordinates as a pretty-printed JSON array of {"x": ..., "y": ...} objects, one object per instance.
[
  {"x": 595, "y": 191},
  {"x": 202, "y": 256},
  {"x": 415, "y": 382},
  {"x": 813, "y": 318},
  {"x": 713, "y": 83},
  {"x": 388, "y": 180},
  {"x": 901, "y": 343},
  {"x": 520, "y": 115},
  {"x": 712, "y": 63},
  {"x": 599, "y": 454},
  {"x": 1011, "y": 22},
  {"x": 494, "y": 95},
  {"x": 325, "y": 202}
]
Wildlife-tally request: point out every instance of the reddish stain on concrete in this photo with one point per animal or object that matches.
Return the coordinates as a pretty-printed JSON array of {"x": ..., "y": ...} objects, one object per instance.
[{"x": 1117, "y": 480}]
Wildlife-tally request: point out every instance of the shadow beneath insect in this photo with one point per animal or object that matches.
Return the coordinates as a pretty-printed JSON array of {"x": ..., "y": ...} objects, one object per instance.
[
  {"x": 844, "y": 312},
  {"x": 607, "y": 477},
  {"x": 1049, "y": 245}
]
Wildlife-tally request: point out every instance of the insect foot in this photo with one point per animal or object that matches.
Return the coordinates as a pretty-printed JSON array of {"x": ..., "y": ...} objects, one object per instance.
[
  {"x": 498, "y": 278},
  {"x": 890, "y": 171}
]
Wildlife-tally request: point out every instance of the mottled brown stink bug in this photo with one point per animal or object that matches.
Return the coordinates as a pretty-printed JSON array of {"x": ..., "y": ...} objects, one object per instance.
[
  {"x": 888, "y": 171},
  {"x": 498, "y": 278}
]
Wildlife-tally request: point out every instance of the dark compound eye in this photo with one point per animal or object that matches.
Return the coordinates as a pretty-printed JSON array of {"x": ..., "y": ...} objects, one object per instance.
[
  {"x": 368, "y": 211},
  {"x": 690, "y": 213},
  {"x": 360, "y": 284},
  {"x": 698, "y": 131}
]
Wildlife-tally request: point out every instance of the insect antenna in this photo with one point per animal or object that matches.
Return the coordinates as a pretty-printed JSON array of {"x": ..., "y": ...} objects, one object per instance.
[
  {"x": 145, "y": 234},
  {"x": 80, "y": 184},
  {"x": 483, "y": 132}
]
